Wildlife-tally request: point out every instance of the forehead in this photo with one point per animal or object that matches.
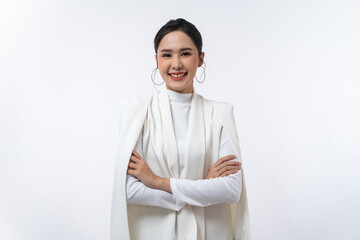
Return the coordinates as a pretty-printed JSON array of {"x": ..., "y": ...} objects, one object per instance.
[{"x": 176, "y": 40}]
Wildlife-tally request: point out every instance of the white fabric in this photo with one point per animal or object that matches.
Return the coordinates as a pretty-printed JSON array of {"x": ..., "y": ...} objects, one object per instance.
[
  {"x": 201, "y": 193},
  {"x": 138, "y": 193},
  {"x": 206, "y": 120},
  {"x": 180, "y": 104}
]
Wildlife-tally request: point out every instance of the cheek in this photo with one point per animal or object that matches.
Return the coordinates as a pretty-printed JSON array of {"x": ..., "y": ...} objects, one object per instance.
[
  {"x": 162, "y": 66},
  {"x": 193, "y": 63}
]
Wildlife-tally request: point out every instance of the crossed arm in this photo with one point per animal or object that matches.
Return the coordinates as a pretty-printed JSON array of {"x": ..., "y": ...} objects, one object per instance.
[{"x": 222, "y": 183}]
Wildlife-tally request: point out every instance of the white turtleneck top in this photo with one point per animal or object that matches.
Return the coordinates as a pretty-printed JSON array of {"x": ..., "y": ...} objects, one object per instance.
[{"x": 203, "y": 192}]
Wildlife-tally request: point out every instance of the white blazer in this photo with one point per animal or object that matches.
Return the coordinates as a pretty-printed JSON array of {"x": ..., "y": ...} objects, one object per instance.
[{"x": 220, "y": 221}]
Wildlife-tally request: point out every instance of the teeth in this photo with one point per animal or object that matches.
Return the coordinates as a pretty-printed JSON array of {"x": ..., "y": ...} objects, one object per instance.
[{"x": 177, "y": 75}]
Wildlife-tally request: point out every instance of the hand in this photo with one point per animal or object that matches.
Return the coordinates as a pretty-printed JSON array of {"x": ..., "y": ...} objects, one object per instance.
[
  {"x": 224, "y": 167},
  {"x": 139, "y": 169}
]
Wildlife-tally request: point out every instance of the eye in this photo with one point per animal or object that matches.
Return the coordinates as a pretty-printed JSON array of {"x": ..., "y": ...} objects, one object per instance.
[
  {"x": 186, "y": 54},
  {"x": 166, "y": 55}
]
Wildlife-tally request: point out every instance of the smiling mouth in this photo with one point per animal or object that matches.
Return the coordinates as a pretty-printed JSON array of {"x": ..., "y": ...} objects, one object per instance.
[{"x": 177, "y": 75}]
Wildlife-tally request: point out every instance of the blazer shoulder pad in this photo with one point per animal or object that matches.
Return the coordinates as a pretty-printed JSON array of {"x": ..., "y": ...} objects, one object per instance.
[
  {"x": 135, "y": 101},
  {"x": 222, "y": 107}
]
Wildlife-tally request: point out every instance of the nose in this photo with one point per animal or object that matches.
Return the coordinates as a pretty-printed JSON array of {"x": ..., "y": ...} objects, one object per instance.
[{"x": 176, "y": 63}]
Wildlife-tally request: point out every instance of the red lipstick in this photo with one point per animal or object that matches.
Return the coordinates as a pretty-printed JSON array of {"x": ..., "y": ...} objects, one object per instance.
[{"x": 178, "y": 75}]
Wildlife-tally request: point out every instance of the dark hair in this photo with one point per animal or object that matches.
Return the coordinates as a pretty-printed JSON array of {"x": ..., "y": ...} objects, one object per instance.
[{"x": 182, "y": 25}]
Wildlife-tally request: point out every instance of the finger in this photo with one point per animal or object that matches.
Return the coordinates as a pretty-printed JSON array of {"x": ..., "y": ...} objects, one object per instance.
[
  {"x": 228, "y": 168},
  {"x": 134, "y": 159},
  {"x": 130, "y": 172},
  {"x": 228, "y": 163},
  {"x": 224, "y": 159},
  {"x": 132, "y": 165},
  {"x": 136, "y": 154},
  {"x": 218, "y": 162},
  {"x": 227, "y": 173},
  {"x": 131, "y": 160}
]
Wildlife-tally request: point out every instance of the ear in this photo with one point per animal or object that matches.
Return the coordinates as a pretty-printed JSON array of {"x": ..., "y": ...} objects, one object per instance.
[
  {"x": 156, "y": 60},
  {"x": 202, "y": 55}
]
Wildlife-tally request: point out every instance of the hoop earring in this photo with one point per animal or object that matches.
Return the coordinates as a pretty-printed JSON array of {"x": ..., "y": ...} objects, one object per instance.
[
  {"x": 202, "y": 74},
  {"x": 153, "y": 77}
]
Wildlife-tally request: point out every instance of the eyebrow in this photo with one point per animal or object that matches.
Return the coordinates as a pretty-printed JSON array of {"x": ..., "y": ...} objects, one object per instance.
[{"x": 183, "y": 49}]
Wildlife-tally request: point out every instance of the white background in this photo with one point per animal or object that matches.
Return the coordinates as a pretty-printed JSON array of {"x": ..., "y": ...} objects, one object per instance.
[{"x": 291, "y": 69}]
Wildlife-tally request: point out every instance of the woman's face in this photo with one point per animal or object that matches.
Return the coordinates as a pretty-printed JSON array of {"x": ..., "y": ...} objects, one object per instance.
[{"x": 178, "y": 59}]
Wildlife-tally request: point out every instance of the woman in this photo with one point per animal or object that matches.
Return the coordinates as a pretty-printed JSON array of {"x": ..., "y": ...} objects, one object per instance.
[{"x": 178, "y": 173}]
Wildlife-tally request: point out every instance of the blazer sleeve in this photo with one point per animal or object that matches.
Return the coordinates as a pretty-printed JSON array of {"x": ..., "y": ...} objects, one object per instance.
[
  {"x": 139, "y": 193},
  {"x": 206, "y": 192}
]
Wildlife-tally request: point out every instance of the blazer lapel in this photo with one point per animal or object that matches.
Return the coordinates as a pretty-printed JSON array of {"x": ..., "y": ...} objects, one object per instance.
[{"x": 170, "y": 145}]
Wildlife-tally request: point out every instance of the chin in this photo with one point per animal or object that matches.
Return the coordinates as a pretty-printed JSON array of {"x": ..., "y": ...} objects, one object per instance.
[{"x": 180, "y": 87}]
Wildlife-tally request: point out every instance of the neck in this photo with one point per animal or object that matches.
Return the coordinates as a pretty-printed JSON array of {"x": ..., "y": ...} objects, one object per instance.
[
  {"x": 181, "y": 91},
  {"x": 179, "y": 97}
]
